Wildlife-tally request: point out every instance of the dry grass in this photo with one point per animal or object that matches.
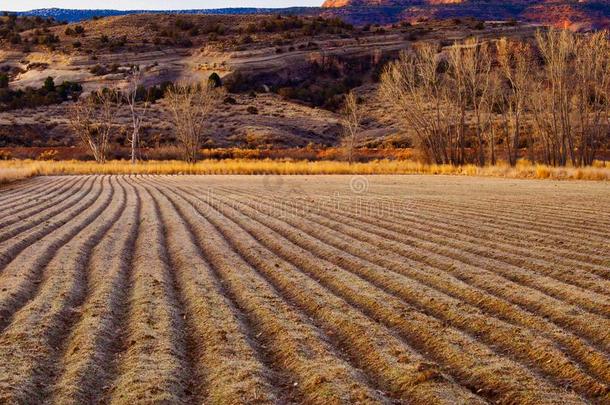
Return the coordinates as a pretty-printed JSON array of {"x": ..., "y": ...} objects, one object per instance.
[
  {"x": 9, "y": 174},
  {"x": 17, "y": 169}
]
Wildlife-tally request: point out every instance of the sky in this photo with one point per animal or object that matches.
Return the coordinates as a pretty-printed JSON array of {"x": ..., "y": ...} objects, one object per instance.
[{"x": 25, "y": 5}]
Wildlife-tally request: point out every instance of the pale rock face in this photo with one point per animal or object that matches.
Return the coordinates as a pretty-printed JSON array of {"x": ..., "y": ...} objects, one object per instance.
[{"x": 336, "y": 3}]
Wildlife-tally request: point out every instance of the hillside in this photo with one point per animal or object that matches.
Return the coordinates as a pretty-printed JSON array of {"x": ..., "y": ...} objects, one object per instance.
[
  {"x": 293, "y": 68},
  {"x": 591, "y": 14},
  {"x": 74, "y": 15},
  {"x": 580, "y": 15}
]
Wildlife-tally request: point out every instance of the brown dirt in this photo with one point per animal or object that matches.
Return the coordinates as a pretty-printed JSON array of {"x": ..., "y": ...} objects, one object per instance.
[{"x": 328, "y": 289}]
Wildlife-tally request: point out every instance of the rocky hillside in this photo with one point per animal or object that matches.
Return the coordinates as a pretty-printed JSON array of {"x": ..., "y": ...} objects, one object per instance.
[
  {"x": 285, "y": 77},
  {"x": 574, "y": 14},
  {"x": 582, "y": 15}
]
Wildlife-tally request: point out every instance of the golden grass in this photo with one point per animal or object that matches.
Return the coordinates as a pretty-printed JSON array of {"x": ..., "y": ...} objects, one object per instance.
[
  {"x": 16, "y": 169},
  {"x": 10, "y": 174}
]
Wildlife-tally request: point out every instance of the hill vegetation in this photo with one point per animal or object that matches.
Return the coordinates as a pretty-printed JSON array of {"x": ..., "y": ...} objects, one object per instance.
[
  {"x": 282, "y": 81},
  {"x": 560, "y": 13}
]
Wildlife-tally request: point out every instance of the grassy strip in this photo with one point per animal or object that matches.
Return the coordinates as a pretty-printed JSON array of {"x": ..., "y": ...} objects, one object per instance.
[
  {"x": 9, "y": 174},
  {"x": 17, "y": 169}
]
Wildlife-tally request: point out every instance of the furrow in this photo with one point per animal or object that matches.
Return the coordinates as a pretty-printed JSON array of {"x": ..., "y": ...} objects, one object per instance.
[
  {"x": 366, "y": 246},
  {"x": 15, "y": 238},
  {"x": 35, "y": 197},
  {"x": 40, "y": 192},
  {"x": 361, "y": 259},
  {"x": 226, "y": 367},
  {"x": 584, "y": 299},
  {"x": 10, "y": 188},
  {"x": 30, "y": 357},
  {"x": 574, "y": 222},
  {"x": 313, "y": 372},
  {"x": 572, "y": 268},
  {"x": 567, "y": 316},
  {"x": 86, "y": 365},
  {"x": 152, "y": 366},
  {"x": 556, "y": 211},
  {"x": 24, "y": 213},
  {"x": 388, "y": 363},
  {"x": 556, "y": 242},
  {"x": 553, "y": 212},
  {"x": 475, "y": 365},
  {"x": 452, "y": 207},
  {"x": 9, "y": 195},
  {"x": 534, "y": 223},
  {"x": 24, "y": 275}
]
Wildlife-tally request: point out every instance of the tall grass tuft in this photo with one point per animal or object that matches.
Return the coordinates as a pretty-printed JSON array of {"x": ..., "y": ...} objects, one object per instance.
[{"x": 10, "y": 174}]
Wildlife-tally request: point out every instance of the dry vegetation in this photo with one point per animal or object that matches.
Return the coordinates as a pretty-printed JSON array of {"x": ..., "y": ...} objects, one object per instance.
[
  {"x": 524, "y": 169},
  {"x": 20, "y": 172},
  {"x": 461, "y": 104},
  {"x": 416, "y": 289}
]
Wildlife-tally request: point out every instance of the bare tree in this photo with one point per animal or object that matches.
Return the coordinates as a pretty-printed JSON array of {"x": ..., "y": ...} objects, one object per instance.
[
  {"x": 557, "y": 48},
  {"x": 592, "y": 103},
  {"x": 515, "y": 66},
  {"x": 471, "y": 66},
  {"x": 452, "y": 99},
  {"x": 416, "y": 89},
  {"x": 352, "y": 119},
  {"x": 190, "y": 106},
  {"x": 572, "y": 104},
  {"x": 138, "y": 112},
  {"x": 92, "y": 119}
]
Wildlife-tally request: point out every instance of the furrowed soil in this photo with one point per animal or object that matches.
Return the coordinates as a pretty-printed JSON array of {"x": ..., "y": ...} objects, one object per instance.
[{"x": 304, "y": 289}]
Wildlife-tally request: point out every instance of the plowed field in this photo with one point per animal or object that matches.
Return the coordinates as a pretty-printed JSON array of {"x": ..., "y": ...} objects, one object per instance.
[{"x": 319, "y": 289}]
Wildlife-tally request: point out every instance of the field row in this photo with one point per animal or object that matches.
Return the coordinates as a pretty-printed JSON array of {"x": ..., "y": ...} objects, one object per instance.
[{"x": 328, "y": 289}]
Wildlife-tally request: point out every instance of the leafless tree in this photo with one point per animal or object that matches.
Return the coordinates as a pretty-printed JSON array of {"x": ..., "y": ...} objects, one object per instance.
[
  {"x": 352, "y": 119},
  {"x": 93, "y": 118},
  {"x": 592, "y": 94},
  {"x": 471, "y": 67},
  {"x": 515, "y": 66},
  {"x": 571, "y": 105},
  {"x": 557, "y": 48},
  {"x": 416, "y": 89},
  {"x": 190, "y": 107},
  {"x": 464, "y": 95},
  {"x": 138, "y": 112}
]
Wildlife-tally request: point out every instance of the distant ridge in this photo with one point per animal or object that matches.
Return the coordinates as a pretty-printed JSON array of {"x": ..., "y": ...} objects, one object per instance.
[
  {"x": 574, "y": 14},
  {"x": 73, "y": 15}
]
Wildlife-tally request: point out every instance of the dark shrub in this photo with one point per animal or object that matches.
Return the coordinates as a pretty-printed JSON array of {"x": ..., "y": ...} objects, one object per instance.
[
  {"x": 214, "y": 80},
  {"x": 49, "y": 84}
]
